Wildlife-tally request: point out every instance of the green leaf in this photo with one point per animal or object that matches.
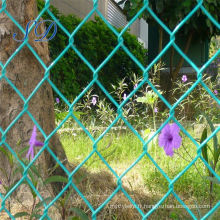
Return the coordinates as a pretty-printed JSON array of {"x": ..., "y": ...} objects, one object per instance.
[
  {"x": 33, "y": 180},
  {"x": 41, "y": 203},
  {"x": 37, "y": 216},
  {"x": 187, "y": 3},
  {"x": 174, "y": 216},
  {"x": 142, "y": 99},
  {"x": 62, "y": 115},
  {"x": 11, "y": 186},
  {"x": 127, "y": 6},
  {"x": 147, "y": 131},
  {"x": 18, "y": 170},
  {"x": 215, "y": 139},
  {"x": 23, "y": 150},
  {"x": 204, "y": 148},
  {"x": 20, "y": 214},
  {"x": 77, "y": 114},
  {"x": 55, "y": 179},
  {"x": 8, "y": 155},
  {"x": 73, "y": 218},
  {"x": 134, "y": 5},
  {"x": 209, "y": 24},
  {"x": 32, "y": 191},
  {"x": 213, "y": 179},
  {"x": 33, "y": 169},
  {"x": 80, "y": 213},
  {"x": 67, "y": 196},
  {"x": 150, "y": 98}
]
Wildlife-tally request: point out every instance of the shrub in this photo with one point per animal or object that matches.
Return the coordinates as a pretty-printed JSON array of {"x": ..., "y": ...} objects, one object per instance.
[{"x": 95, "y": 41}]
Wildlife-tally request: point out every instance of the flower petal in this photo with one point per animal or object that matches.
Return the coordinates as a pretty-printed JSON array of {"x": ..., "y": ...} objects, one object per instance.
[
  {"x": 162, "y": 140},
  {"x": 29, "y": 151},
  {"x": 164, "y": 135},
  {"x": 38, "y": 143},
  {"x": 176, "y": 141},
  {"x": 174, "y": 128},
  {"x": 33, "y": 135},
  {"x": 32, "y": 154},
  {"x": 168, "y": 150},
  {"x": 169, "y": 138}
]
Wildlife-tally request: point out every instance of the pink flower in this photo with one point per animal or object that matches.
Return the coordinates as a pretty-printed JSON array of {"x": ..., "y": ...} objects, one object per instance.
[
  {"x": 169, "y": 138},
  {"x": 57, "y": 100},
  {"x": 33, "y": 142},
  {"x": 155, "y": 109},
  {"x": 125, "y": 96},
  {"x": 135, "y": 86},
  {"x": 184, "y": 78},
  {"x": 216, "y": 92},
  {"x": 94, "y": 101}
]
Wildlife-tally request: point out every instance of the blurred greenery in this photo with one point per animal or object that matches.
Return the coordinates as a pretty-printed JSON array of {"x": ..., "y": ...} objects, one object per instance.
[
  {"x": 95, "y": 41},
  {"x": 172, "y": 12}
]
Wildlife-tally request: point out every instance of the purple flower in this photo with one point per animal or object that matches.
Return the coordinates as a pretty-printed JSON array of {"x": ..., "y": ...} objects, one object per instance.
[
  {"x": 135, "y": 86},
  {"x": 184, "y": 78},
  {"x": 33, "y": 142},
  {"x": 155, "y": 109},
  {"x": 94, "y": 101},
  {"x": 169, "y": 138},
  {"x": 216, "y": 92},
  {"x": 124, "y": 96},
  {"x": 57, "y": 100}
]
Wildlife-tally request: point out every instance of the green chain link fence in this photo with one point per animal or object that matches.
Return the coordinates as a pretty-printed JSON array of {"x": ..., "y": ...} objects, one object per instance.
[{"x": 199, "y": 71}]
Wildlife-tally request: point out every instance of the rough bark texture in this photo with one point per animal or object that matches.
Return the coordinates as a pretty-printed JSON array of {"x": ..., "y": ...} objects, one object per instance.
[
  {"x": 25, "y": 72},
  {"x": 181, "y": 61},
  {"x": 173, "y": 74}
]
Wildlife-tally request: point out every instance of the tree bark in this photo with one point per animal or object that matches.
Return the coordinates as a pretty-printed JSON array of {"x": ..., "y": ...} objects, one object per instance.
[
  {"x": 173, "y": 74},
  {"x": 160, "y": 43},
  {"x": 25, "y": 72},
  {"x": 180, "y": 64}
]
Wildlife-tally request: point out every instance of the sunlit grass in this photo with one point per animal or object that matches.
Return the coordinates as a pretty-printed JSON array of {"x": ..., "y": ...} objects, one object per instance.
[{"x": 121, "y": 150}]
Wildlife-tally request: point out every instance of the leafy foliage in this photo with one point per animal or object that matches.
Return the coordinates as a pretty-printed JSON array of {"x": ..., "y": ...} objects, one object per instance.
[
  {"x": 95, "y": 41},
  {"x": 213, "y": 157},
  {"x": 173, "y": 12},
  {"x": 63, "y": 204}
]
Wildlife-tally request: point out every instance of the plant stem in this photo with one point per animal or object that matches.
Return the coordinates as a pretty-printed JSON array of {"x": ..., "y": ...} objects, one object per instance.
[
  {"x": 211, "y": 186},
  {"x": 155, "y": 151},
  {"x": 189, "y": 162},
  {"x": 194, "y": 163},
  {"x": 64, "y": 213},
  {"x": 171, "y": 60},
  {"x": 33, "y": 206}
]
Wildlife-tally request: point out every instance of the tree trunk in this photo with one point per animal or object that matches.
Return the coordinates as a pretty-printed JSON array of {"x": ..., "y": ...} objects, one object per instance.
[
  {"x": 25, "y": 72},
  {"x": 169, "y": 82},
  {"x": 160, "y": 43},
  {"x": 171, "y": 60},
  {"x": 180, "y": 64},
  {"x": 173, "y": 74}
]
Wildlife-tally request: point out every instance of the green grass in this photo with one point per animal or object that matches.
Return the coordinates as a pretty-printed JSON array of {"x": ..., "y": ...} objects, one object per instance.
[
  {"x": 120, "y": 150},
  {"x": 116, "y": 150}
]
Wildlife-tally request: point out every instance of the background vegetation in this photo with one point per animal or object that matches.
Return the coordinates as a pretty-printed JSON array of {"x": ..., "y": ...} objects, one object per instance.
[{"x": 95, "y": 41}]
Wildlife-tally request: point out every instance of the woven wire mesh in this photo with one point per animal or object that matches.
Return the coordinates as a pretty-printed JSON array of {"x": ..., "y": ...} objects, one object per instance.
[{"x": 95, "y": 80}]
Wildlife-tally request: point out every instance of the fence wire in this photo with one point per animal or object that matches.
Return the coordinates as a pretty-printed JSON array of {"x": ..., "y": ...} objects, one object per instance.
[{"x": 95, "y": 80}]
